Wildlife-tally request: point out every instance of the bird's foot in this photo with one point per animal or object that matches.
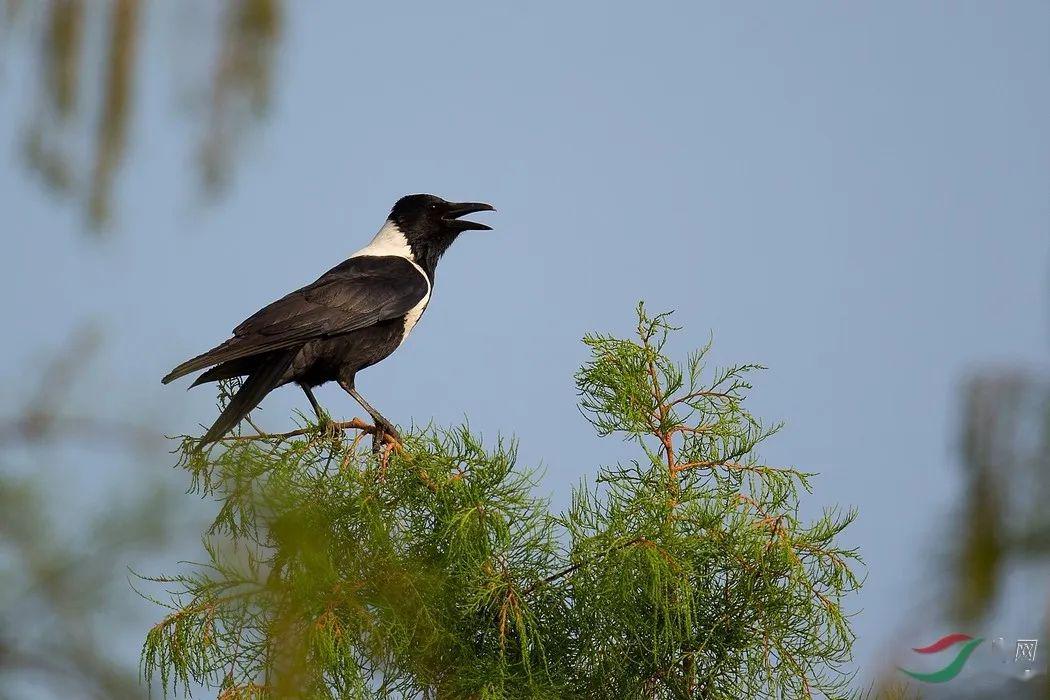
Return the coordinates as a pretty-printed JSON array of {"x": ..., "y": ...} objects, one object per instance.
[
  {"x": 385, "y": 441},
  {"x": 385, "y": 435},
  {"x": 326, "y": 427}
]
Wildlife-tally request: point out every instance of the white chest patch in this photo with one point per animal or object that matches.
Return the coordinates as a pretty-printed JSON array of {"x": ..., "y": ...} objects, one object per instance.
[
  {"x": 412, "y": 317},
  {"x": 390, "y": 241}
]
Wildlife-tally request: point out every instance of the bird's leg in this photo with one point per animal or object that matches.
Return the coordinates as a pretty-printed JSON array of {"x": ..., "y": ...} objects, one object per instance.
[
  {"x": 323, "y": 421},
  {"x": 382, "y": 424}
]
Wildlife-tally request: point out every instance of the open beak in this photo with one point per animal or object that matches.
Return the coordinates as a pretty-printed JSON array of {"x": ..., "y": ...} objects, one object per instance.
[{"x": 454, "y": 211}]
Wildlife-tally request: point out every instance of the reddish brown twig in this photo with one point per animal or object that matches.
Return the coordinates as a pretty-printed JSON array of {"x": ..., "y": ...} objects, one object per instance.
[{"x": 352, "y": 424}]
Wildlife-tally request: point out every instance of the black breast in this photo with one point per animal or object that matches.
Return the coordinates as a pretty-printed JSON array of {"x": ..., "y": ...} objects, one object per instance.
[{"x": 341, "y": 356}]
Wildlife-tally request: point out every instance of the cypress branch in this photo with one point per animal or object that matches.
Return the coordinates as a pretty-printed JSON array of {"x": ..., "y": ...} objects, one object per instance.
[{"x": 435, "y": 571}]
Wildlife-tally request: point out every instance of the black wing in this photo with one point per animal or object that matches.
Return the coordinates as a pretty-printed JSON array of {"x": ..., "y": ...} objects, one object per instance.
[{"x": 357, "y": 293}]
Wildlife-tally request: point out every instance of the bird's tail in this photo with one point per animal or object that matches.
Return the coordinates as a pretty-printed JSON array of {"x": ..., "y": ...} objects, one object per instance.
[
  {"x": 259, "y": 383},
  {"x": 234, "y": 368}
]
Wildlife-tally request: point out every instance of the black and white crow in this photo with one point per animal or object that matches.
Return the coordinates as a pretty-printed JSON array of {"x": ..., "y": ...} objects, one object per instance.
[{"x": 352, "y": 317}]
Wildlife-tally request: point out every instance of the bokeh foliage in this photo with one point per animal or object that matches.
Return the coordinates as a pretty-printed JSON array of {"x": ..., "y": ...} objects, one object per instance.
[
  {"x": 67, "y": 618},
  {"x": 437, "y": 572},
  {"x": 81, "y": 122}
]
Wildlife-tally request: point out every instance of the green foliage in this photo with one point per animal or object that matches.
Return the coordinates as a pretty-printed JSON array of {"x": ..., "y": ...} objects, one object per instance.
[{"x": 436, "y": 572}]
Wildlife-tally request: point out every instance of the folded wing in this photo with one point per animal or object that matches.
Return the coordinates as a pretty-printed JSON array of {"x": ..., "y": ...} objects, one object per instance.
[{"x": 358, "y": 293}]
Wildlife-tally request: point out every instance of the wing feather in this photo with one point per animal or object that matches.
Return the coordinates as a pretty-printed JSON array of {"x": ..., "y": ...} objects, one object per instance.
[{"x": 357, "y": 293}]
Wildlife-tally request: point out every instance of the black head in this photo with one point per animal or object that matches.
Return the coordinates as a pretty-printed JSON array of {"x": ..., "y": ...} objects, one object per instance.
[{"x": 430, "y": 224}]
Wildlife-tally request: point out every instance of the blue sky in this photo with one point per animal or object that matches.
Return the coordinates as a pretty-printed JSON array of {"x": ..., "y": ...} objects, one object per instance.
[{"x": 855, "y": 195}]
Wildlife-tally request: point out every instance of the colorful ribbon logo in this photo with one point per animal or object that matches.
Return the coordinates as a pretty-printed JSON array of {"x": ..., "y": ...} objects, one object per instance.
[{"x": 952, "y": 669}]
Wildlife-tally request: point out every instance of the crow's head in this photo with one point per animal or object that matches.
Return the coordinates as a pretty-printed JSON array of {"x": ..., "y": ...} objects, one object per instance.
[
  {"x": 421, "y": 216},
  {"x": 430, "y": 224}
]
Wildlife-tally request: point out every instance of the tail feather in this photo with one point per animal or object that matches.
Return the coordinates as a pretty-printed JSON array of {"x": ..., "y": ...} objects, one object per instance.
[
  {"x": 231, "y": 369},
  {"x": 207, "y": 359},
  {"x": 232, "y": 350},
  {"x": 261, "y": 382}
]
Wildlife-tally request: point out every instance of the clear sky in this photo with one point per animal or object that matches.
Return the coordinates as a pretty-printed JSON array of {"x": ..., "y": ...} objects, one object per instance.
[{"x": 854, "y": 194}]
